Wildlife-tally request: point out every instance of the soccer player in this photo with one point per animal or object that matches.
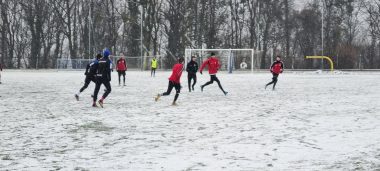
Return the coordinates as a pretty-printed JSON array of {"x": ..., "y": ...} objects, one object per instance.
[
  {"x": 276, "y": 68},
  {"x": 192, "y": 69},
  {"x": 174, "y": 81},
  {"x": 103, "y": 76},
  {"x": 121, "y": 67},
  {"x": 153, "y": 67},
  {"x": 90, "y": 75},
  {"x": 213, "y": 66}
]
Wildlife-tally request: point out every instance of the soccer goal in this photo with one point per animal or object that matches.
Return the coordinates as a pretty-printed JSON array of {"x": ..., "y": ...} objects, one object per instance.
[{"x": 231, "y": 59}]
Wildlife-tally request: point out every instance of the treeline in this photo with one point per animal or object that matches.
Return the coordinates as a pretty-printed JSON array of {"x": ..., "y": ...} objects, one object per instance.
[{"x": 35, "y": 33}]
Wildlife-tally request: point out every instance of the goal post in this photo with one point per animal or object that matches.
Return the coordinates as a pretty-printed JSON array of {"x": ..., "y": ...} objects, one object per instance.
[
  {"x": 323, "y": 57},
  {"x": 231, "y": 59}
]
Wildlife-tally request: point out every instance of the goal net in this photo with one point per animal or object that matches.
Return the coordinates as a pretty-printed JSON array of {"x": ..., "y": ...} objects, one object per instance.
[{"x": 231, "y": 59}]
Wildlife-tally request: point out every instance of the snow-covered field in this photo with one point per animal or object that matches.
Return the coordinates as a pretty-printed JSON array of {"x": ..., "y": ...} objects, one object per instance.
[{"x": 311, "y": 122}]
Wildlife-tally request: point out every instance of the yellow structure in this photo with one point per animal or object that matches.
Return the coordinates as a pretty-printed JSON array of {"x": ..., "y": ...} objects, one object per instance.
[{"x": 323, "y": 57}]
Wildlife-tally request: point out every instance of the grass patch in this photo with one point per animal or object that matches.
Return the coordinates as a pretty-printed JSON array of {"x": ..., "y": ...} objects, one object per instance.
[
  {"x": 6, "y": 157},
  {"x": 94, "y": 126},
  {"x": 81, "y": 169}
]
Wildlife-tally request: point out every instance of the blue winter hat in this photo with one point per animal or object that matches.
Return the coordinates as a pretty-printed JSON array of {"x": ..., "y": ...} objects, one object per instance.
[{"x": 106, "y": 53}]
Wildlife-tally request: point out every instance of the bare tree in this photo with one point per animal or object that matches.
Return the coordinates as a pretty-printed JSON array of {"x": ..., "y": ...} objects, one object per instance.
[{"x": 174, "y": 29}]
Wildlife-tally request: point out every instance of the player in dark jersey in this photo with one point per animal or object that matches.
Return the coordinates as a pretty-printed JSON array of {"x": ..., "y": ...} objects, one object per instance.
[
  {"x": 90, "y": 75},
  {"x": 103, "y": 76},
  {"x": 192, "y": 69}
]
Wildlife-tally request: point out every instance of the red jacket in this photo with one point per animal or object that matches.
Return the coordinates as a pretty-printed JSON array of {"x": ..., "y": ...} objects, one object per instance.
[
  {"x": 121, "y": 65},
  {"x": 277, "y": 67},
  {"x": 213, "y": 65},
  {"x": 177, "y": 73}
]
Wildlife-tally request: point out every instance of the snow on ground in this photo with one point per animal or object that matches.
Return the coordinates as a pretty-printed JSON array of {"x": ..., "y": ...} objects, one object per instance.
[{"x": 311, "y": 122}]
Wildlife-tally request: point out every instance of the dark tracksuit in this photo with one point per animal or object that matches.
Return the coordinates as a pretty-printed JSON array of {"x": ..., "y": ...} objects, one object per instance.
[
  {"x": 90, "y": 75},
  {"x": 103, "y": 76},
  {"x": 276, "y": 68},
  {"x": 192, "y": 69}
]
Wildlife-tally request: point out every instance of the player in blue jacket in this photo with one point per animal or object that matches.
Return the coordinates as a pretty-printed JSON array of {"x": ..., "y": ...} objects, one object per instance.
[
  {"x": 103, "y": 76},
  {"x": 90, "y": 75}
]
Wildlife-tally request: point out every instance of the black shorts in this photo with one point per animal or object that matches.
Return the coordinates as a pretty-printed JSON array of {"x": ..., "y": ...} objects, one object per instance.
[
  {"x": 121, "y": 72},
  {"x": 90, "y": 78},
  {"x": 172, "y": 85}
]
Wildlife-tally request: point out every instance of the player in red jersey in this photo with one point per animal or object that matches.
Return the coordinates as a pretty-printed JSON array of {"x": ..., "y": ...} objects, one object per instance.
[
  {"x": 213, "y": 66},
  {"x": 276, "y": 68},
  {"x": 174, "y": 81}
]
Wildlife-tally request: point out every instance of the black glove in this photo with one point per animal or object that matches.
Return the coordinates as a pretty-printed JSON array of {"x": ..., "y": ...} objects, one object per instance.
[
  {"x": 86, "y": 73},
  {"x": 201, "y": 72}
]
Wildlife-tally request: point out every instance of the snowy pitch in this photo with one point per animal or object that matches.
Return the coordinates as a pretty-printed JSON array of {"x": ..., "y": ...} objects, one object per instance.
[{"x": 311, "y": 122}]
